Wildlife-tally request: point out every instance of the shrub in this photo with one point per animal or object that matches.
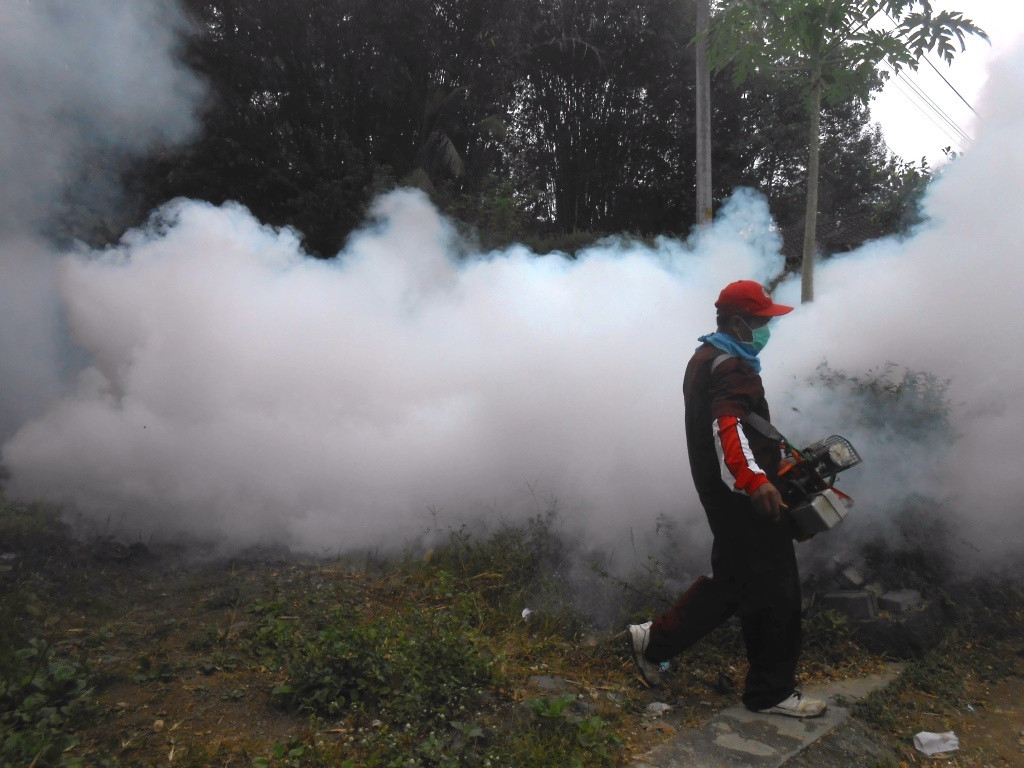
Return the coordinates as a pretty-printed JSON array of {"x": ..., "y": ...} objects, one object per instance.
[
  {"x": 43, "y": 699},
  {"x": 397, "y": 668}
]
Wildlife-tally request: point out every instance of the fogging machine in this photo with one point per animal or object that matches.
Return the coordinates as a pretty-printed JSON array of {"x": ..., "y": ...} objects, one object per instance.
[
  {"x": 807, "y": 479},
  {"x": 807, "y": 476}
]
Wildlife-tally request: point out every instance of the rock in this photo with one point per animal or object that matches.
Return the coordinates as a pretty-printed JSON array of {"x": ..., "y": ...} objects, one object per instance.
[
  {"x": 549, "y": 683},
  {"x": 658, "y": 708},
  {"x": 584, "y": 707}
]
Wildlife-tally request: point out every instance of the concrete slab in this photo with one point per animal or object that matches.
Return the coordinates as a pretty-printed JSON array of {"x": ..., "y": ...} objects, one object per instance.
[{"x": 738, "y": 738}]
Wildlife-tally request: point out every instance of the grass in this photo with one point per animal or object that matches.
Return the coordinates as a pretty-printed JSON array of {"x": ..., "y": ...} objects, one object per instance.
[{"x": 421, "y": 659}]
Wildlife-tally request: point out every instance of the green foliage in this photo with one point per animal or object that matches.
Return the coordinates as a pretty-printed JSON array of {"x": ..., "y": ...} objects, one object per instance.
[
  {"x": 163, "y": 672},
  {"x": 32, "y": 528},
  {"x": 293, "y": 753},
  {"x": 43, "y": 699},
  {"x": 592, "y": 734},
  {"x": 894, "y": 401},
  {"x": 219, "y": 662},
  {"x": 397, "y": 668},
  {"x": 548, "y": 124},
  {"x": 833, "y": 42},
  {"x": 552, "y": 708},
  {"x": 832, "y": 52}
]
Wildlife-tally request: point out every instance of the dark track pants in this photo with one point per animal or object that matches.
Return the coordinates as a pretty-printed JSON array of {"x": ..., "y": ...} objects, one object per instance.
[{"x": 754, "y": 577}]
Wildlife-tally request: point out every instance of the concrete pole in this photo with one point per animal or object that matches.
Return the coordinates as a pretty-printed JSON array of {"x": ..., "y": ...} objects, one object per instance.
[
  {"x": 811, "y": 213},
  {"x": 703, "y": 117}
]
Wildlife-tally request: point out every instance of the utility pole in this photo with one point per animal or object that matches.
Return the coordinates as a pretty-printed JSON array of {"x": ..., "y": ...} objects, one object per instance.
[{"x": 703, "y": 118}]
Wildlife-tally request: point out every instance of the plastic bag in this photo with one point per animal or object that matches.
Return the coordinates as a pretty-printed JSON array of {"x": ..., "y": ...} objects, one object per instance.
[{"x": 936, "y": 743}]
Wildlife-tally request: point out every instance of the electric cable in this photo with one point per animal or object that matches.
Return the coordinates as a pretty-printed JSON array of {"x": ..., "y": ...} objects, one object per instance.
[
  {"x": 951, "y": 86},
  {"x": 960, "y": 135},
  {"x": 947, "y": 124},
  {"x": 898, "y": 86}
]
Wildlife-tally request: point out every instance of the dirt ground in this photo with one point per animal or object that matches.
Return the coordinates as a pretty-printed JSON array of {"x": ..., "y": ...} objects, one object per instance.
[
  {"x": 991, "y": 731},
  {"x": 176, "y": 683}
]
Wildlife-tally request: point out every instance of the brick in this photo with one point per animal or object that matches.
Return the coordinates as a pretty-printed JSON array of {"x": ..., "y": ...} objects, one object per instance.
[
  {"x": 841, "y": 559},
  {"x": 900, "y": 600},
  {"x": 851, "y": 578},
  {"x": 855, "y": 604},
  {"x": 903, "y": 636},
  {"x": 876, "y": 588}
]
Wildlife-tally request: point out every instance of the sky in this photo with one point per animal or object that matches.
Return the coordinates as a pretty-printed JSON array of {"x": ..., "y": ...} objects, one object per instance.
[{"x": 911, "y": 129}]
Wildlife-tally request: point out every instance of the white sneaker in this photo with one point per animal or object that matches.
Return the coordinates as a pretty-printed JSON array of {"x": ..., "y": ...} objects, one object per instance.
[
  {"x": 797, "y": 705},
  {"x": 639, "y": 636}
]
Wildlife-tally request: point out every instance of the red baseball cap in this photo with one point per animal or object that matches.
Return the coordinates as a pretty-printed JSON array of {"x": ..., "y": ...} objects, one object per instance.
[{"x": 745, "y": 297}]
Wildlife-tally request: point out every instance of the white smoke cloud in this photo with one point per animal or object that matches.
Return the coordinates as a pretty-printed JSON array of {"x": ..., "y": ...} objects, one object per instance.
[
  {"x": 245, "y": 391},
  {"x": 241, "y": 391},
  {"x": 83, "y": 76},
  {"x": 946, "y": 301},
  {"x": 84, "y": 85}
]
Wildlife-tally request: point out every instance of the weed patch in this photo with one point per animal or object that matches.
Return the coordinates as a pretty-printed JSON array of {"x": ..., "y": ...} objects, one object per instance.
[
  {"x": 394, "y": 668},
  {"x": 44, "y": 698}
]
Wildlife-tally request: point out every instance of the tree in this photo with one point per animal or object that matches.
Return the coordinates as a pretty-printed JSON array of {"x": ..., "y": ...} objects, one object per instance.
[
  {"x": 550, "y": 122},
  {"x": 315, "y": 106},
  {"x": 833, "y": 50},
  {"x": 596, "y": 125}
]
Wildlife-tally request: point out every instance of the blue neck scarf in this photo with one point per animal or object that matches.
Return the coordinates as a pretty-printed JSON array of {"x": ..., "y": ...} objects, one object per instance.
[{"x": 727, "y": 343}]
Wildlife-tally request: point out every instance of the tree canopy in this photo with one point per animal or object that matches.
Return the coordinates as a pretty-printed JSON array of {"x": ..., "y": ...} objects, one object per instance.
[
  {"x": 551, "y": 122},
  {"x": 831, "y": 51}
]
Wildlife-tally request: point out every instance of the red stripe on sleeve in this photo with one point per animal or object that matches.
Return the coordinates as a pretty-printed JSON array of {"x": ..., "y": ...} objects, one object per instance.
[{"x": 739, "y": 469}]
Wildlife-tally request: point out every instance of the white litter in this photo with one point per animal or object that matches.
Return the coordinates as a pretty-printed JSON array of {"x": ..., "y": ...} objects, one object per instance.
[
  {"x": 935, "y": 743},
  {"x": 658, "y": 708},
  {"x": 526, "y": 614}
]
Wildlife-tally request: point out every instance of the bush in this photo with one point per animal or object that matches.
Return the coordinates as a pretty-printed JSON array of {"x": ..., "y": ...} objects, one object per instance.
[
  {"x": 396, "y": 669},
  {"x": 43, "y": 699}
]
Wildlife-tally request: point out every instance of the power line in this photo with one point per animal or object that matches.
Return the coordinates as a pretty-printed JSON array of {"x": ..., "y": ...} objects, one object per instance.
[
  {"x": 959, "y": 134},
  {"x": 896, "y": 84},
  {"x": 930, "y": 108},
  {"x": 951, "y": 86}
]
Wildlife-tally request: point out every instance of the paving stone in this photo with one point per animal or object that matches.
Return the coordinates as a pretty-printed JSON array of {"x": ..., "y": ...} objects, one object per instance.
[
  {"x": 855, "y": 604},
  {"x": 737, "y": 738},
  {"x": 850, "y": 745},
  {"x": 900, "y": 600}
]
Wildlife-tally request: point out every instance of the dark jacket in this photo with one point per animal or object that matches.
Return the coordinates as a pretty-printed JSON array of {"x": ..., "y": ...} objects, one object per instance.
[
  {"x": 733, "y": 390},
  {"x": 752, "y": 553}
]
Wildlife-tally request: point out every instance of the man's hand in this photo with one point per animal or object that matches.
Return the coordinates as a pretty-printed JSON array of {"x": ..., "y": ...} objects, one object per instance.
[{"x": 767, "y": 501}]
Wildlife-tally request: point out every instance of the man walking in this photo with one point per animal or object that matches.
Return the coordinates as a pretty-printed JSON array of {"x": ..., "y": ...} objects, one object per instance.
[{"x": 734, "y": 467}]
